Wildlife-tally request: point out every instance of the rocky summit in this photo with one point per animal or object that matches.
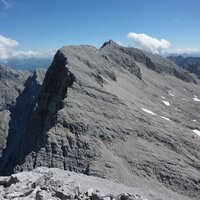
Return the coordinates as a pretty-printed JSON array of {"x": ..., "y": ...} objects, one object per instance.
[{"x": 114, "y": 112}]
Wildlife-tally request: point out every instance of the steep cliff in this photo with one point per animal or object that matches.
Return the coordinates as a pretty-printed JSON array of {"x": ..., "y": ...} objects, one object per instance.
[
  {"x": 17, "y": 100},
  {"x": 12, "y": 84}
]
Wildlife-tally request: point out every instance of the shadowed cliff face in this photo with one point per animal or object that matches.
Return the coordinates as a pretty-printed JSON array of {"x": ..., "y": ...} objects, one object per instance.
[
  {"x": 30, "y": 122},
  {"x": 57, "y": 80},
  {"x": 20, "y": 114},
  {"x": 117, "y": 113},
  {"x": 11, "y": 84}
]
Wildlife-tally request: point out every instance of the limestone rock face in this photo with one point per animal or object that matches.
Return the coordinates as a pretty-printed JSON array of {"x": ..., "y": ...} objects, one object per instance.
[
  {"x": 117, "y": 113},
  {"x": 11, "y": 84},
  {"x": 19, "y": 91}
]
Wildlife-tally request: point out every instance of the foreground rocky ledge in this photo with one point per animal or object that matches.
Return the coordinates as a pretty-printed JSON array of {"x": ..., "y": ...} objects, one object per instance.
[{"x": 45, "y": 183}]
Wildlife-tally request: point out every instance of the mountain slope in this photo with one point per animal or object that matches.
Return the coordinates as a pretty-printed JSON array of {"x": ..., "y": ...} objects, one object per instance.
[{"x": 117, "y": 113}]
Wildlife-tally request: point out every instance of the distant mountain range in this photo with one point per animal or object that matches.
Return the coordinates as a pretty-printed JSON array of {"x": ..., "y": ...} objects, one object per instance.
[
  {"x": 191, "y": 64},
  {"x": 28, "y": 63}
]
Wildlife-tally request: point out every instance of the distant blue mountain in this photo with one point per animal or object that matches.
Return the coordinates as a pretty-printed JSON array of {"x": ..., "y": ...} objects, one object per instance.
[
  {"x": 28, "y": 63},
  {"x": 191, "y": 64}
]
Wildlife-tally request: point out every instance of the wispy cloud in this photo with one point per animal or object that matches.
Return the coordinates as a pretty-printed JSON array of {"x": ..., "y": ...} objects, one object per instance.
[
  {"x": 6, "y": 4},
  {"x": 8, "y": 50},
  {"x": 183, "y": 51},
  {"x": 160, "y": 46},
  {"x": 149, "y": 43},
  {"x": 41, "y": 53}
]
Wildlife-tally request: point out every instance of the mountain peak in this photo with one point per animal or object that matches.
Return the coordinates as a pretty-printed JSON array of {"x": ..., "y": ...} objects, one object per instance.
[{"x": 109, "y": 43}]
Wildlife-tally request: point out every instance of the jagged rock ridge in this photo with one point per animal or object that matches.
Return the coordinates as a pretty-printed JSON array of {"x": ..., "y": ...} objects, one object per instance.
[{"x": 90, "y": 118}]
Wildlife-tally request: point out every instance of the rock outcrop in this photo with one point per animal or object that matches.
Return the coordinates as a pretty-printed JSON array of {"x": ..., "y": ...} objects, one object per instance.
[
  {"x": 117, "y": 113},
  {"x": 55, "y": 184}
]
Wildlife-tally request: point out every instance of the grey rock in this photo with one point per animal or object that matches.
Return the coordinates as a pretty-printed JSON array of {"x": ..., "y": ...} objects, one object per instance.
[
  {"x": 62, "y": 195},
  {"x": 129, "y": 57},
  {"x": 41, "y": 195},
  {"x": 17, "y": 108},
  {"x": 89, "y": 119},
  {"x": 96, "y": 196},
  {"x": 11, "y": 84},
  {"x": 68, "y": 182},
  {"x": 127, "y": 197}
]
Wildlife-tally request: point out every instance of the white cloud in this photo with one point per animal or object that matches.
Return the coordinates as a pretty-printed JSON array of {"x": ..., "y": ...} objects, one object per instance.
[
  {"x": 160, "y": 46},
  {"x": 149, "y": 43},
  {"x": 33, "y": 54},
  {"x": 6, "y": 4},
  {"x": 184, "y": 51},
  {"x": 7, "y": 42},
  {"x": 8, "y": 50}
]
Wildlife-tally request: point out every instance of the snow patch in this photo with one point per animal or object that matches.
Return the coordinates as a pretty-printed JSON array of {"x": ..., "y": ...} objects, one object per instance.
[
  {"x": 194, "y": 120},
  {"x": 165, "y": 118},
  {"x": 196, "y": 98},
  {"x": 171, "y": 94},
  {"x": 148, "y": 111},
  {"x": 196, "y": 131},
  {"x": 166, "y": 103},
  {"x": 163, "y": 97}
]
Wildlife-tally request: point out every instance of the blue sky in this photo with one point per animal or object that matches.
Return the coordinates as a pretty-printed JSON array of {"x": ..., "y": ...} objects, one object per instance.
[{"x": 38, "y": 25}]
